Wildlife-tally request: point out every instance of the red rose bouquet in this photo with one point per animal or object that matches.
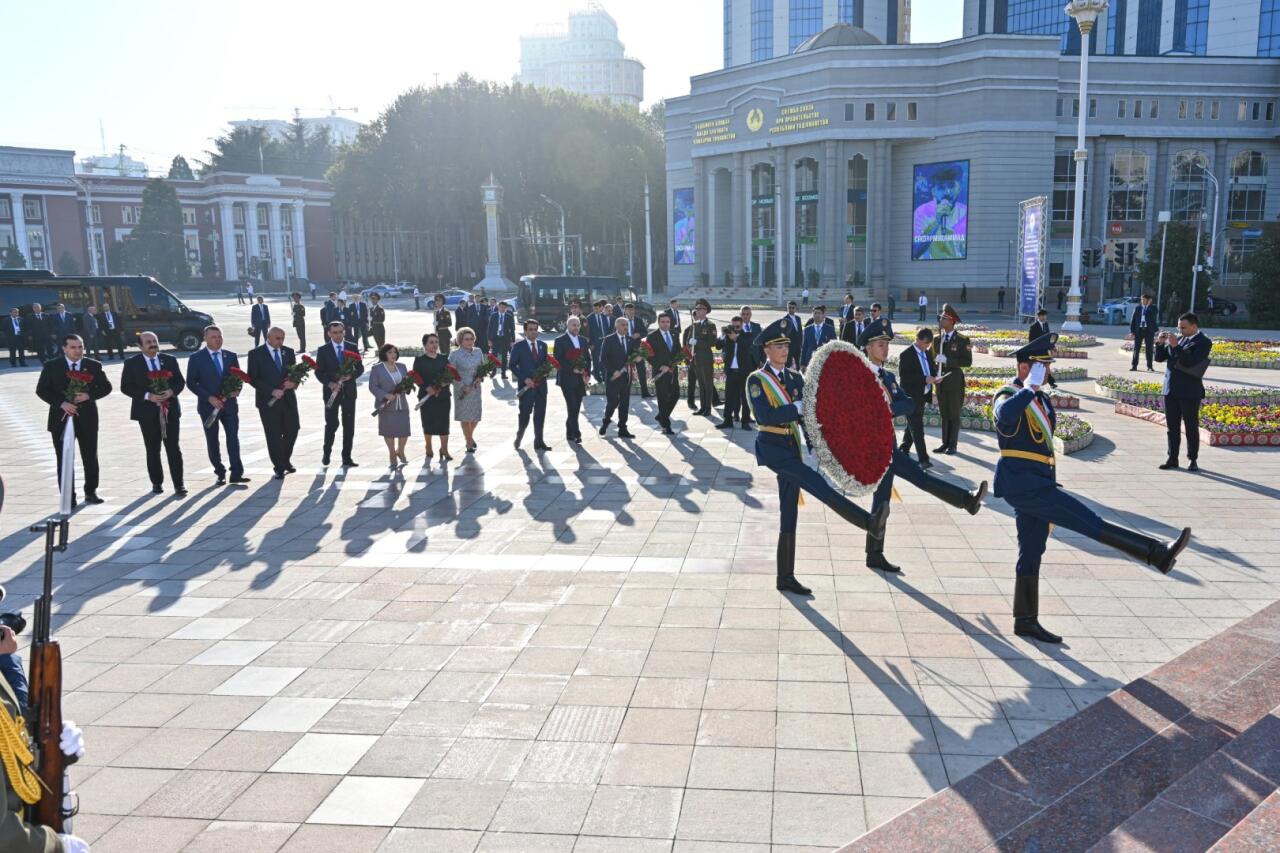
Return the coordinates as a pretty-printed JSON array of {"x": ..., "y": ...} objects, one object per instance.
[
  {"x": 232, "y": 384},
  {"x": 77, "y": 383},
  {"x": 297, "y": 373},
  {"x": 540, "y": 373},
  {"x": 642, "y": 353},
  {"x": 491, "y": 365},
  {"x": 443, "y": 381},
  {"x": 158, "y": 383},
  {"x": 577, "y": 359},
  {"x": 412, "y": 381},
  {"x": 351, "y": 361}
]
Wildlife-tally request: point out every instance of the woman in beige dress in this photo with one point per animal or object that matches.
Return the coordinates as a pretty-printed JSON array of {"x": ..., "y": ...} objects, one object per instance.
[
  {"x": 467, "y": 407},
  {"x": 392, "y": 406}
]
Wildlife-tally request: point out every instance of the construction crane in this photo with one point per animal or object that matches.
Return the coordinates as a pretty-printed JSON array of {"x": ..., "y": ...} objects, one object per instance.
[{"x": 333, "y": 111}]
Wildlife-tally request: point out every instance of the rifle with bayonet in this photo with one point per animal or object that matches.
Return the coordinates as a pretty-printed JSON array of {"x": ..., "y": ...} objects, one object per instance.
[{"x": 46, "y": 689}]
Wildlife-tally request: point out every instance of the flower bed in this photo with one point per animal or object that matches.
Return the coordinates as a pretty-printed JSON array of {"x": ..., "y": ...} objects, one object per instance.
[
  {"x": 1149, "y": 394},
  {"x": 981, "y": 336},
  {"x": 1223, "y": 425},
  {"x": 979, "y": 391},
  {"x": 1071, "y": 435},
  {"x": 1007, "y": 351},
  {"x": 1004, "y": 374},
  {"x": 1263, "y": 355}
]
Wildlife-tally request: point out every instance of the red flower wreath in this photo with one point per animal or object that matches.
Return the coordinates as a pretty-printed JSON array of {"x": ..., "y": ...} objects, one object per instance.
[{"x": 847, "y": 417}]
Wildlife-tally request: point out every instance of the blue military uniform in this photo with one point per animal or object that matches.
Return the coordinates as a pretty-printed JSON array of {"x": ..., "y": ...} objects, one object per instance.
[
  {"x": 776, "y": 399},
  {"x": 1026, "y": 480},
  {"x": 902, "y": 465}
]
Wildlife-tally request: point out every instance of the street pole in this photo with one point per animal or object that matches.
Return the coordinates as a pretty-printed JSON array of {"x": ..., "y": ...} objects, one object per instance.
[
  {"x": 630, "y": 257},
  {"x": 564, "y": 257},
  {"x": 1085, "y": 13},
  {"x": 1008, "y": 269},
  {"x": 395, "y": 259},
  {"x": 1195, "y": 260},
  {"x": 1213, "y": 231},
  {"x": 88, "y": 218},
  {"x": 1165, "y": 216},
  {"x": 777, "y": 243},
  {"x": 648, "y": 244}
]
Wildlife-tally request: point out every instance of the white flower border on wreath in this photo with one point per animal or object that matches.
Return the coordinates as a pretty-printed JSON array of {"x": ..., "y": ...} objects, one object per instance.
[{"x": 826, "y": 459}]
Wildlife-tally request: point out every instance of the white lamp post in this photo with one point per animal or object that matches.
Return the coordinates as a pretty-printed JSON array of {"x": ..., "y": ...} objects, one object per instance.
[{"x": 1085, "y": 13}]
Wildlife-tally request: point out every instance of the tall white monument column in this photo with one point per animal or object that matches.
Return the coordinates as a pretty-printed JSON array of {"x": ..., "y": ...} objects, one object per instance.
[
  {"x": 251, "y": 247},
  {"x": 494, "y": 282},
  {"x": 279, "y": 268},
  {"x": 230, "y": 270}
]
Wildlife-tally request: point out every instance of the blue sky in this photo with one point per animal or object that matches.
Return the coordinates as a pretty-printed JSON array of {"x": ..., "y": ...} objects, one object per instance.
[{"x": 164, "y": 77}]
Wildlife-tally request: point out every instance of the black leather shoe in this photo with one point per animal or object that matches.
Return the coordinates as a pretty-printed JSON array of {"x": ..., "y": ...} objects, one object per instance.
[
  {"x": 790, "y": 584},
  {"x": 1132, "y": 369},
  {"x": 1170, "y": 465},
  {"x": 157, "y": 490},
  {"x": 221, "y": 481},
  {"x": 279, "y": 475},
  {"x": 604, "y": 428},
  {"x": 1193, "y": 466},
  {"x": 950, "y": 451},
  {"x": 725, "y": 425},
  {"x": 941, "y": 448},
  {"x": 926, "y": 464},
  {"x": 180, "y": 492},
  {"x": 876, "y": 560},
  {"x": 1030, "y": 627},
  {"x": 622, "y": 433},
  {"x": 539, "y": 446},
  {"x": 347, "y": 463},
  {"x": 747, "y": 427},
  {"x": 291, "y": 470},
  {"x": 91, "y": 499},
  {"x": 668, "y": 431},
  {"x": 974, "y": 503},
  {"x": 239, "y": 479}
]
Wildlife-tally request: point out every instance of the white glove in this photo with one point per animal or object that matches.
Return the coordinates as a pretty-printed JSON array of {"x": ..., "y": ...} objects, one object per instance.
[
  {"x": 72, "y": 740},
  {"x": 799, "y": 404},
  {"x": 942, "y": 359},
  {"x": 73, "y": 844}
]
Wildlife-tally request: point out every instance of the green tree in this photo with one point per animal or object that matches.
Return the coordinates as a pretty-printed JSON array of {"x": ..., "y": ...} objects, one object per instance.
[
  {"x": 306, "y": 153},
  {"x": 1179, "y": 256},
  {"x": 244, "y": 149},
  {"x": 1263, "y": 264},
  {"x": 12, "y": 259},
  {"x": 156, "y": 247},
  {"x": 179, "y": 170},
  {"x": 67, "y": 264}
]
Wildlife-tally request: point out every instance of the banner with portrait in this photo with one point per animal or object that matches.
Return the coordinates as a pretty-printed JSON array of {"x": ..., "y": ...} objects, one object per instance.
[
  {"x": 1033, "y": 215},
  {"x": 940, "y": 211},
  {"x": 683, "y": 227}
]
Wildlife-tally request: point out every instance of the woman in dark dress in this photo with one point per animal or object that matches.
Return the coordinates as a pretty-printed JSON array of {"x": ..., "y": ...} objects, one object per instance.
[
  {"x": 433, "y": 366},
  {"x": 444, "y": 324},
  {"x": 378, "y": 321}
]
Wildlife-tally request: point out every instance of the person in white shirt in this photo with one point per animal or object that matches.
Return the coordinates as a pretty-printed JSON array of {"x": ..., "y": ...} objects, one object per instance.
[{"x": 923, "y": 303}]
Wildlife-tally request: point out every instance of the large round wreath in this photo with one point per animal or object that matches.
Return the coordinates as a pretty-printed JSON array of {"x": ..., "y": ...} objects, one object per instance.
[{"x": 847, "y": 417}]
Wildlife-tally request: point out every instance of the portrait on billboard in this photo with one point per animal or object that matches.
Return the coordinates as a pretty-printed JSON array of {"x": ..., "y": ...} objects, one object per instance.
[
  {"x": 683, "y": 240},
  {"x": 940, "y": 211}
]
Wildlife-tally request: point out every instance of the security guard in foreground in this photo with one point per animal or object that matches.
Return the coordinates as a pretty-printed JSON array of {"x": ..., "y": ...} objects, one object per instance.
[
  {"x": 876, "y": 340},
  {"x": 776, "y": 397},
  {"x": 1026, "y": 479}
]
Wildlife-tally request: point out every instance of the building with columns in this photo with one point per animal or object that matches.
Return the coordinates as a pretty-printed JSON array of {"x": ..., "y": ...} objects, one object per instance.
[
  {"x": 235, "y": 226},
  {"x": 900, "y": 167}
]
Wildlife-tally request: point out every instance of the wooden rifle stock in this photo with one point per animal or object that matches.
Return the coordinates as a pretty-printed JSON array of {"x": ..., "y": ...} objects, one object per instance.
[{"x": 46, "y": 689}]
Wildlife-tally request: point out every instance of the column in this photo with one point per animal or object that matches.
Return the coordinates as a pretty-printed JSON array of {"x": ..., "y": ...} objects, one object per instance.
[
  {"x": 1157, "y": 193},
  {"x": 828, "y": 233},
  {"x": 840, "y": 180},
  {"x": 20, "y": 225},
  {"x": 739, "y": 222},
  {"x": 278, "y": 265},
  {"x": 251, "y": 237},
  {"x": 299, "y": 240},
  {"x": 786, "y": 208},
  {"x": 877, "y": 220},
  {"x": 226, "y": 209},
  {"x": 699, "y": 221}
]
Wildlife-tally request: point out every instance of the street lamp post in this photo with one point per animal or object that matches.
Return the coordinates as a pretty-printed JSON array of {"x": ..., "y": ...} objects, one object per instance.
[
  {"x": 648, "y": 244},
  {"x": 630, "y": 257},
  {"x": 564, "y": 262},
  {"x": 1085, "y": 13}
]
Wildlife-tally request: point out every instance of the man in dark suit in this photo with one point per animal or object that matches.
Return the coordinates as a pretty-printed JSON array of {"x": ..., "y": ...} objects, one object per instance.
[
  {"x": 735, "y": 349},
  {"x": 1142, "y": 325},
  {"x": 615, "y": 350},
  {"x": 149, "y": 407},
  {"x": 299, "y": 312},
  {"x": 329, "y": 371},
  {"x": 918, "y": 374},
  {"x": 91, "y": 331},
  {"x": 1040, "y": 327},
  {"x": 60, "y": 325},
  {"x": 818, "y": 331},
  {"x": 206, "y": 371},
  {"x": 673, "y": 313},
  {"x": 794, "y": 327},
  {"x": 618, "y": 309},
  {"x": 360, "y": 313},
  {"x": 638, "y": 331},
  {"x": 112, "y": 333},
  {"x": 259, "y": 320},
  {"x": 886, "y": 326},
  {"x": 527, "y": 356},
  {"x": 465, "y": 315},
  {"x": 599, "y": 327},
  {"x": 15, "y": 335},
  {"x": 329, "y": 312},
  {"x": 701, "y": 337},
  {"x": 267, "y": 370},
  {"x": 483, "y": 311},
  {"x": 846, "y": 313},
  {"x": 40, "y": 333},
  {"x": 1186, "y": 359},
  {"x": 853, "y": 329},
  {"x": 502, "y": 334},
  {"x": 82, "y": 411},
  {"x": 572, "y": 380},
  {"x": 666, "y": 382}
]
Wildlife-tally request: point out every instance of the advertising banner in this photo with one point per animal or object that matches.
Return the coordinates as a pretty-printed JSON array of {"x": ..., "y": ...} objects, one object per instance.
[
  {"x": 940, "y": 205},
  {"x": 683, "y": 242},
  {"x": 1032, "y": 244}
]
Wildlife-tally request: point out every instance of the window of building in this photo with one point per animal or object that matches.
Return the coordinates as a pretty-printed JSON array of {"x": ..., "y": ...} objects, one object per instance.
[
  {"x": 912, "y": 112},
  {"x": 1248, "y": 197},
  {"x": 95, "y": 214},
  {"x": 803, "y": 21},
  {"x": 1137, "y": 109},
  {"x": 1214, "y": 112},
  {"x": 1190, "y": 26},
  {"x": 130, "y": 215},
  {"x": 845, "y": 13},
  {"x": 4, "y": 209},
  {"x": 1257, "y": 110},
  {"x": 1182, "y": 109},
  {"x": 1155, "y": 110},
  {"x": 891, "y": 111},
  {"x": 237, "y": 216},
  {"x": 1269, "y": 28},
  {"x": 1059, "y": 109},
  {"x": 189, "y": 216},
  {"x": 1115, "y": 28},
  {"x": 728, "y": 33},
  {"x": 1188, "y": 186},
  {"x": 264, "y": 245},
  {"x": 763, "y": 217},
  {"x": 1242, "y": 111},
  {"x": 6, "y": 237},
  {"x": 848, "y": 112},
  {"x": 761, "y": 30},
  {"x": 1271, "y": 110},
  {"x": 1122, "y": 108},
  {"x": 1093, "y": 108},
  {"x": 1075, "y": 108},
  {"x": 869, "y": 112},
  {"x": 31, "y": 208},
  {"x": 1064, "y": 176},
  {"x": 856, "y": 222},
  {"x": 1199, "y": 110},
  {"x": 1128, "y": 185},
  {"x": 807, "y": 254}
]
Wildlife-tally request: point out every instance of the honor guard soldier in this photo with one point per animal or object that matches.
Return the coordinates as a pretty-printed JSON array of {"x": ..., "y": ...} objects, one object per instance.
[
  {"x": 776, "y": 397},
  {"x": 877, "y": 337},
  {"x": 1025, "y": 479},
  {"x": 953, "y": 352}
]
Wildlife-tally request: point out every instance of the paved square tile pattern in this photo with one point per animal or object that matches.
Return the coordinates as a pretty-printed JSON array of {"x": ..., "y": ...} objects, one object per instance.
[{"x": 581, "y": 649}]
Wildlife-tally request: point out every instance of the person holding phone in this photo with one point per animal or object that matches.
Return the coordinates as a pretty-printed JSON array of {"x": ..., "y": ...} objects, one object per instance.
[{"x": 1185, "y": 355}]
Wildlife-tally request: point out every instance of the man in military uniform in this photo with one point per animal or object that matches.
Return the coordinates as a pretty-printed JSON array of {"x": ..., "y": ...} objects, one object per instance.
[
  {"x": 877, "y": 339},
  {"x": 1025, "y": 479},
  {"x": 776, "y": 397},
  {"x": 953, "y": 352}
]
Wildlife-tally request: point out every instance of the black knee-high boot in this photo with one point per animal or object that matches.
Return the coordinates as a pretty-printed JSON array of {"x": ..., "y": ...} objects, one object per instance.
[
  {"x": 956, "y": 496},
  {"x": 787, "y": 566},
  {"x": 875, "y": 555},
  {"x": 1143, "y": 548},
  {"x": 1026, "y": 610}
]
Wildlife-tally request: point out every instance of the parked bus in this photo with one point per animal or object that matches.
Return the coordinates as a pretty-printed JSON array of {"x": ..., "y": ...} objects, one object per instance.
[
  {"x": 141, "y": 302},
  {"x": 546, "y": 298}
]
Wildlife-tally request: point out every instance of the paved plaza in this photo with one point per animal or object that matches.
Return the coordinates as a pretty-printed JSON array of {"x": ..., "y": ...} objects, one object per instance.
[{"x": 582, "y": 650}]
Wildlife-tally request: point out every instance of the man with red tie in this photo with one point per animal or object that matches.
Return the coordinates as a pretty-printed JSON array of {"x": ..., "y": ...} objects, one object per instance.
[{"x": 527, "y": 356}]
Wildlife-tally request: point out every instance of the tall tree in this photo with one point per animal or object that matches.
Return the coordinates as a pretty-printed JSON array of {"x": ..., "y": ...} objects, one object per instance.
[
  {"x": 1179, "y": 256},
  {"x": 245, "y": 149},
  {"x": 156, "y": 246},
  {"x": 67, "y": 264},
  {"x": 179, "y": 169},
  {"x": 1264, "y": 287},
  {"x": 12, "y": 259}
]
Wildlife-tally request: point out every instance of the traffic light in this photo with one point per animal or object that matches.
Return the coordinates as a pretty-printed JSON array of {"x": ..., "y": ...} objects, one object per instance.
[{"x": 1091, "y": 258}]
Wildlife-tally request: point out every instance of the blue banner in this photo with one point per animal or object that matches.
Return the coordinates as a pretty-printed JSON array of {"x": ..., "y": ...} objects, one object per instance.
[{"x": 1031, "y": 266}]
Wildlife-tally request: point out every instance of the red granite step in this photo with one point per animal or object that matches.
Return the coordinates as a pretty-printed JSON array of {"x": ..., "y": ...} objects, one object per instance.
[
  {"x": 1071, "y": 786},
  {"x": 1259, "y": 832}
]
